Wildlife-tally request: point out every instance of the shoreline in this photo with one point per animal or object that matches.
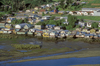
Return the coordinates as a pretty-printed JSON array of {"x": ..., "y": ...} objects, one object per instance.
[
  {"x": 11, "y": 55},
  {"x": 84, "y": 53}
]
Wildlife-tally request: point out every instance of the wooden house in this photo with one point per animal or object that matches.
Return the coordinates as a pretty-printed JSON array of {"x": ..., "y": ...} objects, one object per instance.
[
  {"x": 41, "y": 11},
  {"x": 89, "y": 24},
  {"x": 61, "y": 12},
  {"x": 39, "y": 31},
  {"x": 39, "y": 27}
]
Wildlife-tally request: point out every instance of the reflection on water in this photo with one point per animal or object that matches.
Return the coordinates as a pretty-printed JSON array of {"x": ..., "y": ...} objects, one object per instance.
[{"x": 58, "y": 62}]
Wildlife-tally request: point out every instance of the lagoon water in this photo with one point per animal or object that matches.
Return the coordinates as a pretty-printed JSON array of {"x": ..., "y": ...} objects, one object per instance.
[{"x": 58, "y": 62}]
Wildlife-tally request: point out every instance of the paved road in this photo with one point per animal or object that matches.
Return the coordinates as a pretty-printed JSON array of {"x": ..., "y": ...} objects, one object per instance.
[{"x": 90, "y": 20}]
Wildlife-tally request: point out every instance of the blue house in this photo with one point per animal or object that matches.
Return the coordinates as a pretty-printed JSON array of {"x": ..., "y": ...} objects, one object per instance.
[{"x": 50, "y": 26}]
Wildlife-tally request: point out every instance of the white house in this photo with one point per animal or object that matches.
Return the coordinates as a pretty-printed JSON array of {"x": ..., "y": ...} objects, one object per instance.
[
  {"x": 79, "y": 13},
  {"x": 49, "y": 5},
  {"x": 99, "y": 25},
  {"x": 46, "y": 17},
  {"x": 89, "y": 24},
  {"x": 20, "y": 26},
  {"x": 57, "y": 27},
  {"x": 81, "y": 24},
  {"x": 85, "y": 13},
  {"x": 71, "y": 12}
]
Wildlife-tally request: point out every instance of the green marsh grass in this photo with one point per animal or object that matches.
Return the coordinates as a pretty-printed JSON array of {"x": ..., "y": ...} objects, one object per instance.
[{"x": 26, "y": 46}]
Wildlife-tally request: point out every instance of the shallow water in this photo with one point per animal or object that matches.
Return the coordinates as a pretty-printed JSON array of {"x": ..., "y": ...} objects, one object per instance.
[
  {"x": 58, "y": 62},
  {"x": 49, "y": 44},
  {"x": 23, "y": 58}
]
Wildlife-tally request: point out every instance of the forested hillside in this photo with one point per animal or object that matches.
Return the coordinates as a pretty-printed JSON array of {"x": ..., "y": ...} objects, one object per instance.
[{"x": 22, "y": 4}]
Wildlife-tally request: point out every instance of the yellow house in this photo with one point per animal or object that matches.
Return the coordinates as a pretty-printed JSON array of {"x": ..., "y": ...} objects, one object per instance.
[
  {"x": 8, "y": 26},
  {"x": 46, "y": 34},
  {"x": 14, "y": 31},
  {"x": 33, "y": 12},
  {"x": 1, "y": 31},
  {"x": 78, "y": 29},
  {"x": 92, "y": 31}
]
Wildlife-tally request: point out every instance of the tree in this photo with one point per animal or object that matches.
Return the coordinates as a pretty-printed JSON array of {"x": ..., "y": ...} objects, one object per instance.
[
  {"x": 52, "y": 18},
  {"x": 94, "y": 25},
  {"x": 71, "y": 19},
  {"x": 43, "y": 14},
  {"x": 62, "y": 5}
]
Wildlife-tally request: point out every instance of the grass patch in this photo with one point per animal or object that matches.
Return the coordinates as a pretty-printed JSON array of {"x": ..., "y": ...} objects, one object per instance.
[
  {"x": 89, "y": 17},
  {"x": 26, "y": 46},
  {"x": 11, "y": 36},
  {"x": 3, "y": 13}
]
